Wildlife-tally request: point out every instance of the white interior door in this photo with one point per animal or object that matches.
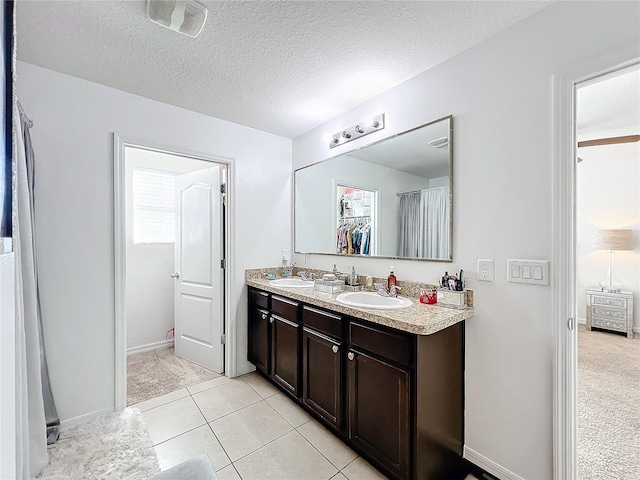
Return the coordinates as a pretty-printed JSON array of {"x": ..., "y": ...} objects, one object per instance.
[{"x": 199, "y": 277}]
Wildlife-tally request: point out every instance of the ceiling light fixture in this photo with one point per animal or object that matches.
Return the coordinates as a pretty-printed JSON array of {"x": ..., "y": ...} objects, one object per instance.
[
  {"x": 373, "y": 124},
  {"x": 439, "y": 142},
  {"x": 182, "y": 16}
]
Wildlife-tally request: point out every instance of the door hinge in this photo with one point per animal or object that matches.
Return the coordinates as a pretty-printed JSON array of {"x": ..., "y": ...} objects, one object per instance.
[
  {"x": 223, "y": 188},
  {"x": 223, "y": 263},
  {"x": 223, "y": 339}
]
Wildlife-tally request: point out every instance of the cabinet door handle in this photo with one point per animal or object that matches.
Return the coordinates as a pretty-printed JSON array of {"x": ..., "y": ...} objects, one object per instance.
[
  {"x": 271, "y": 320},
  {"x": 335, "y": 349},
  {"x": 264, "y": 316},
  {"x": 351, "y": 356}
]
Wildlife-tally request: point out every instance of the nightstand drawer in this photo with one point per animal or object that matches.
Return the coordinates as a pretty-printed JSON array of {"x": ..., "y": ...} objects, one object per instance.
[
  {"x": 609, "y": 313},
  {"x": 608, "y": 301},
  {"x": 610, "y": 323}
]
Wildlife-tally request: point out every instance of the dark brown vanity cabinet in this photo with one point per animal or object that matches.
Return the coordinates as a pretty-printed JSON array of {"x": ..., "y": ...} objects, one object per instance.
[
  {"x": 379, "y": 400},
  {"x": 285, "y": 343},
  {"x": 322, "y": 361},
  {"x": 394, "y": 397},
  {"x": 259, "y": 339}
]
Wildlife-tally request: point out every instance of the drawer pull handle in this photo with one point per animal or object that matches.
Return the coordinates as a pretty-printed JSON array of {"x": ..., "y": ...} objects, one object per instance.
[
  {"x": 264, "y": 316},
  {"x": 335, "y": 349},
  {"x": 271, "y": 320},
  {"x": 351, "y": 356}
]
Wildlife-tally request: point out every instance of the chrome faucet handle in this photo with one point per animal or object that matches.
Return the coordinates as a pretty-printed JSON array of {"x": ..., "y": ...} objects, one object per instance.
[
  {"x": 311, "y": 276},
  {"x": 381, "y": 289},
  {"x": 394, "y": 291},
  {"x": 303, "y": 275}
]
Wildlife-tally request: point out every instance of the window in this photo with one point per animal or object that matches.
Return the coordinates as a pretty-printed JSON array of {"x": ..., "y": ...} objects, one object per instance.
[{"x": 153, "y": 206}]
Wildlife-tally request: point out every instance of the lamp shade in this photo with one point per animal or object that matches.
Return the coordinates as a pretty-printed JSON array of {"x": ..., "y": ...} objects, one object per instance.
[{"x": 613, "y": 240}]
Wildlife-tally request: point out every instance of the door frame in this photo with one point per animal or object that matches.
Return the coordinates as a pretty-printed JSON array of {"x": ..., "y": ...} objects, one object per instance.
[
  {"x": 119, "y": 229},
  {"x": 563, "y": 254}
]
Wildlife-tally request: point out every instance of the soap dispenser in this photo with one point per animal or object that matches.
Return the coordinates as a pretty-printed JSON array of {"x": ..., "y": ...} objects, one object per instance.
[{"x": 391, "y": 279}]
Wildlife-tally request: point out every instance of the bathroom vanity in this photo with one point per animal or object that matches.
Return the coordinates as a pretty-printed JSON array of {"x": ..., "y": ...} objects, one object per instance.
[{"x": 390, "y": 383}]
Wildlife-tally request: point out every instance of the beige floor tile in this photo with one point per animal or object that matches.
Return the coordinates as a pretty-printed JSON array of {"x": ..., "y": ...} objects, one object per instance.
[
  {"x": 339, "y": 476},
  {"x": 291, "y": 412},
  {"x": 167, "y": 421},
  {"x": 200, "y": 387},
  {"x": 248, "y": 429},
  {"x": 328, "y": 444},
  {"x": 161, "y": 400},
  {"x": 190, "y": 444},
  {"x": 290, "y": 457},
  {"x": 228, "y": 473},
  {"x": 225, "y": 399},
  {"x": 264, "y": 387},
  {"x": 361, "y": 470}
]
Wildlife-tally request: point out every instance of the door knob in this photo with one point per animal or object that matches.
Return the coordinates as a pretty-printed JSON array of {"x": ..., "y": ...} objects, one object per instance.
[
  {"x": 175, "y": 275},
  {"x": 351, "y": 356},
  {"x": 335, "y": 349},
  {"x": 264, "y": 316}
]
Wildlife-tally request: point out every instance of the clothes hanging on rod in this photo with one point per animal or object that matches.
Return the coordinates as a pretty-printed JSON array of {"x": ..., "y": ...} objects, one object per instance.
[{"x": 353, "y": 236}]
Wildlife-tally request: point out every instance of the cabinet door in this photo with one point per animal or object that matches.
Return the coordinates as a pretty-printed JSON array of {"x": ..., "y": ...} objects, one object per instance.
[
  {"x": 284, "y": 353},
  {"x": 259, "y": 338},
  {"x": 379, "y": 411},
  {"x": 322, "y": 376}
]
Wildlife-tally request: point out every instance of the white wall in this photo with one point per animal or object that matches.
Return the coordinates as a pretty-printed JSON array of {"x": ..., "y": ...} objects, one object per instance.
[
  {"x": 608, "y": 196},
  {"x": 318, "y": 233},
  {"x": 149, "y": 287},
  {"x": 7, "y": 368},
  {"x": 73, "y": 120},
  {"x": 500, "y": 95}
]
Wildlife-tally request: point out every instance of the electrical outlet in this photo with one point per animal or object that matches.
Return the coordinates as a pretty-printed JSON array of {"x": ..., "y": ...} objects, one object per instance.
[{"x": 485, "y": 270}]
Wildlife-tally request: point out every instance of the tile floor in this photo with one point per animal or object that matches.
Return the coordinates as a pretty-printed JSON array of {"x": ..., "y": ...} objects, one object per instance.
[{"x": 250, "y": 430}]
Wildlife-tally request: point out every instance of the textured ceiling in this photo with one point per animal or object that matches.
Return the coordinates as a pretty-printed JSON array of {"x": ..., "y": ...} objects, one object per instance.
[
  {"x": 281, "y": 67},
  {"x": 610, "y": 107}
]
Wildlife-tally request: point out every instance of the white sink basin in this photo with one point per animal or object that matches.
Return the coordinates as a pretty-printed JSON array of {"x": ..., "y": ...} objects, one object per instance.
[
  {"x": 290, "y": 283},
  {"x": 373, "y": 300}
]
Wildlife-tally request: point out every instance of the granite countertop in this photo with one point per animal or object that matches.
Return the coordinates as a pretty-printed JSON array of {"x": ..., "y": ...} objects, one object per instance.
[{"x": 419, "y": 318}]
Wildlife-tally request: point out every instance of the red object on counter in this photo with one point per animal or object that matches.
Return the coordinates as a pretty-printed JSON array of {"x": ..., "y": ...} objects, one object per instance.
[{"x": 429, "y": 297}]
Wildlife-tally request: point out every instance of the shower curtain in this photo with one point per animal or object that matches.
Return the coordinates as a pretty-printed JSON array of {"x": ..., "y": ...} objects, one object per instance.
[
  {"x": 424, "y": 223},
  {"x": 37, "y": 420}
]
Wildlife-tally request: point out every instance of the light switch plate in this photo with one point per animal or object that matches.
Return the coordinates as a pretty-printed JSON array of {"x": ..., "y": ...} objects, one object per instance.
[
  {"x": 532, "y": 272},
  {"x": 485, "y": 270}
]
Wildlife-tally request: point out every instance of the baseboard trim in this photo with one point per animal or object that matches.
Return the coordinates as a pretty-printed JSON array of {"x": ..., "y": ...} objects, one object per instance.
[
  {"x": 85, "y": 418},
  {"x": 149, "y": 347},
  {"x": 582, "y": 321},
  {"x": 489, "y": 465}
]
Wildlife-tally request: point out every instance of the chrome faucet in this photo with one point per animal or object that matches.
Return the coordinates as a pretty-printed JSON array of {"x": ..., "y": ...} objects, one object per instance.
[
  {"x": 382, "y": 290},
  {"x": 307, "y": 277}
]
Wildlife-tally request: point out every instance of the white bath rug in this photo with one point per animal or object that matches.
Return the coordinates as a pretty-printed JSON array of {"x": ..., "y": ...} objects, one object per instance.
[{"x": 117, "y": 446}]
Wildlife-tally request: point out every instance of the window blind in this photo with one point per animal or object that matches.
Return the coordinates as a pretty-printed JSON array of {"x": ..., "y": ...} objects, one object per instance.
[{"x": 153, "y": 206}]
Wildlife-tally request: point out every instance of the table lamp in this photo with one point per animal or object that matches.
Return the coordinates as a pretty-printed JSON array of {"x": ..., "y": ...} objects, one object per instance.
[{"x": 612, "y": 240}]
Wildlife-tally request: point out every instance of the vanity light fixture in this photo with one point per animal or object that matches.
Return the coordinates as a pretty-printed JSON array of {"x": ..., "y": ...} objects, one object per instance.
[
  {"x": 439, "y": 142},
  {"x": 360, "y": 130}
]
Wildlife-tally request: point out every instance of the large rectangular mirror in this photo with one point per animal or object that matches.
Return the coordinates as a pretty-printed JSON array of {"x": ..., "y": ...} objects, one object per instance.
[{"x": 389, "y": 199}]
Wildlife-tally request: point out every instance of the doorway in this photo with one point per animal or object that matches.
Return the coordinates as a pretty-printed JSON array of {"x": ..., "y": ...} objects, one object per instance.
[
  {"x": 564, "y": 283},
  {"x": 171, "y": 248},
  {"x": 608, "y": 274}
]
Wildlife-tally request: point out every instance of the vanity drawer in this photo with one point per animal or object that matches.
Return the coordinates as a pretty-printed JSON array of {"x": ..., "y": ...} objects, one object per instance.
[
  {"x": 610, "y": 323},
  {"x": 609, "y": 313},
  {"x": 323, "y": 322},
  {"x": 608, "y": 301},
  {"x": 259, "y": 298},
  {"x": 390, "y": 345},
  {"x": 285, "y": 307}
]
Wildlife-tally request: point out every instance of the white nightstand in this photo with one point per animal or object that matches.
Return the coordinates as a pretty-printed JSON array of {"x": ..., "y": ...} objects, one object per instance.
[{"x": 610, "y": 311}]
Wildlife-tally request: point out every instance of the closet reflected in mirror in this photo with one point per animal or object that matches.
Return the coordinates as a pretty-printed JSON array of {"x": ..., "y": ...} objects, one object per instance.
[{"x": 388, "y": 199}]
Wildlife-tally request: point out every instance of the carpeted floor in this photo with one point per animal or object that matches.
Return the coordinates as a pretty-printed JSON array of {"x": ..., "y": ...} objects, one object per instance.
[
  {"x": 154, "y": 373},
  {"x": 110, "y": 447},
  {"x": 608, "y": 406}
]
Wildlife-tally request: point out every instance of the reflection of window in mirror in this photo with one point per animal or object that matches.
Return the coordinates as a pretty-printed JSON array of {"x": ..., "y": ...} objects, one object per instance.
[{"x": 356, "y": 232}]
